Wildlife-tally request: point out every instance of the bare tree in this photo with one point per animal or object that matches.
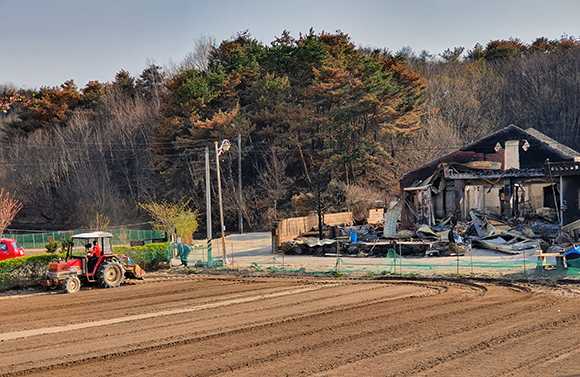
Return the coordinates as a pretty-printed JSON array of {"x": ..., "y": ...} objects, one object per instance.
[
  {"x": 9, "y": 207},
  {"x": 198, "y": 58},
  {"x": 543, "y": 92},
  {"x": 273, "y": 179},
  {"x": 360, "y": 199},
  {"x": 98, "y": 163}
]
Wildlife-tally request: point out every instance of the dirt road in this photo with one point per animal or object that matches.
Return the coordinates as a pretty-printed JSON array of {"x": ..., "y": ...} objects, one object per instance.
[{"x": 236, "y": 326}]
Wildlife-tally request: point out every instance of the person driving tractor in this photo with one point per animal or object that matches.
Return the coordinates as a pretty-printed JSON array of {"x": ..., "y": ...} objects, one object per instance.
[
  {"x": 96, "y": 252},
  {"x": 93, "y": 255}
]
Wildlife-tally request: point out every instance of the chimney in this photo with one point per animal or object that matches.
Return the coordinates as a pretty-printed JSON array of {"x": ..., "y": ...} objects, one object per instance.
[{"x": 512, "y": 155}]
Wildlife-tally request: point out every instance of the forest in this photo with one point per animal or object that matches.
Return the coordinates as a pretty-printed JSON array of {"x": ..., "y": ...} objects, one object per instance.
[{"x": 323, "y": 125}]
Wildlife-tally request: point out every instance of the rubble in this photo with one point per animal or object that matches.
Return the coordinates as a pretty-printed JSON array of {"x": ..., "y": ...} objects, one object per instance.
[
  {"x": 484, "y": 231},
  {"x": 573, "y": 229},
  {"x": 548, "y": 214}
]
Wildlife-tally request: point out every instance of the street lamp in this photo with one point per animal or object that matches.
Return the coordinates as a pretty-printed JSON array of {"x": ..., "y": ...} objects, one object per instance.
[{"x": 218, "y": 151}]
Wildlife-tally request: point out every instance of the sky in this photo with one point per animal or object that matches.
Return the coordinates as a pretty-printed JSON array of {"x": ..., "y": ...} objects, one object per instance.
[{"x": 47, "y": 42}]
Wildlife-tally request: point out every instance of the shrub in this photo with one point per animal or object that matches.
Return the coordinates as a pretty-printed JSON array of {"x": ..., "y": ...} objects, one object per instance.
[
  {"x": 51, "y": 245},
  {"x": 66, "y": 243},
  {"x": 24, "y": 271},
  {"x": 149, "y": 256}
]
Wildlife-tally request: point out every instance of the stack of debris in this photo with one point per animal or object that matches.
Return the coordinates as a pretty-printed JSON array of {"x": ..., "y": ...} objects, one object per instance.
[
  {"x": 363, "y": 241},
  {"x": 489, "y": 232},
  {"x": 484, "y": 231}
]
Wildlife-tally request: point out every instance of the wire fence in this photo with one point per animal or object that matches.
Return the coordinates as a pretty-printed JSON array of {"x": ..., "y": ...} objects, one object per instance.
[{"x": 120, "y": 237}]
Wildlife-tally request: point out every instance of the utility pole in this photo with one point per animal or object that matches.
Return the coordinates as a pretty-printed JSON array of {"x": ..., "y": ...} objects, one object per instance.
[
  {"x": 207, "y": 195},
  {"x": 240, "y": 181}
]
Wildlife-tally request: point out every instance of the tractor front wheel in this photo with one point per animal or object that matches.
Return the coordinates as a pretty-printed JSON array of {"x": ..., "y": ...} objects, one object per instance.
[
  {"x": 72, "y": 284},
  {"x": 111, "y": 274}
]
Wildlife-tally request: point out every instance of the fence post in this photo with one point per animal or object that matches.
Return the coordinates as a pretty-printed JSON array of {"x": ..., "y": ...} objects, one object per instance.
[{"x": 209, "y": 255}]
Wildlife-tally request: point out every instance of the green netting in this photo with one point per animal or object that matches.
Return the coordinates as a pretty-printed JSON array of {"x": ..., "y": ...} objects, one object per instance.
[
  {"x": 120, "y": 237},
  {"x": 201, "y": 254},
  {"x": 394, "y": 264}
]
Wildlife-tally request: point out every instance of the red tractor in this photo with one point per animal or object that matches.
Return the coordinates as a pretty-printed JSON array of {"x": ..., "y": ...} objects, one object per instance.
[{"x": 98, "y": 265}]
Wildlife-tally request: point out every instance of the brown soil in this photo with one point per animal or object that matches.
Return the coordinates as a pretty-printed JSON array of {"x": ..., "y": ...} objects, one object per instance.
[{"x": 291, "y": 326}]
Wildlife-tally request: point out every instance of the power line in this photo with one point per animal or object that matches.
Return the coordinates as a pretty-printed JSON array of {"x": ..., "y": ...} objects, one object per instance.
[{"x": 190, "y": 153}]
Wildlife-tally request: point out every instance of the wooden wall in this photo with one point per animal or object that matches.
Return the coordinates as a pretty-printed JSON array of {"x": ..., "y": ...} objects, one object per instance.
[{"x": 291, "y": 228}]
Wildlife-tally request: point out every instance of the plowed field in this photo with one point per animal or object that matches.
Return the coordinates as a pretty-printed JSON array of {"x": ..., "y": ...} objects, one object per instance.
[{"x": 235, "y": 326}]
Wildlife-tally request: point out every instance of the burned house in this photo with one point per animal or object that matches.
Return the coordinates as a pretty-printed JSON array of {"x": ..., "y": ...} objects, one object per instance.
[{"x": 510, "y": 173}]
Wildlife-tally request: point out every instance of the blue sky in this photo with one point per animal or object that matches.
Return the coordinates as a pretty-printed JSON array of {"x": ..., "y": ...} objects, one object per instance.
[{"x": 46, "y": 42}]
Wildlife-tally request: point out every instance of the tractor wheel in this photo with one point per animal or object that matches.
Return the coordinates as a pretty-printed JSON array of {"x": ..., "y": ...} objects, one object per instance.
[
  {"x": 111, "y": 274},
  {"x": 72, "y": 284}
]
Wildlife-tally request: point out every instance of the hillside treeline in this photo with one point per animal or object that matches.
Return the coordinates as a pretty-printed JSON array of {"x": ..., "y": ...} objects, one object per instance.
[{"x": 323, "y": 125}]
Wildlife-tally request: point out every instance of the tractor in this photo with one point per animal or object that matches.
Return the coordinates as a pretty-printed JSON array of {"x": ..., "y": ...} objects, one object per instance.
[{"x": 108, "y": 270}]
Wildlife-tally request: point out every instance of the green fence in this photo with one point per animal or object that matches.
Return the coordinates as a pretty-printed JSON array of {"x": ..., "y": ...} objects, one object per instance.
[{"x": 120, "y": 237}]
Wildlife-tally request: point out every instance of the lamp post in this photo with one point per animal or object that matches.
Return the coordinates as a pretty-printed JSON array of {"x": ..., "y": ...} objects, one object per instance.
[{"x": 218, "y": 151}]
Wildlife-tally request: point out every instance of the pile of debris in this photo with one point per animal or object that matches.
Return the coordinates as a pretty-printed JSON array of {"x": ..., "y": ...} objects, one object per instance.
[
  {"x": 484, "y": 231},
  {"x": 490, "y": 232},
  {"x": 337, "y": 240}
]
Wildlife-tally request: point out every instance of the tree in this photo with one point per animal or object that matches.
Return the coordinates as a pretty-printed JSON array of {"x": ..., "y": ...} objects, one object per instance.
[
  {"x": 542, "y": 91},
  {"x": 92, "y": 94},
  {"x": 337, "y": 196},
  {"x": 475, "y": 54},
  {"x": 150, "y": 84},
  {"x": 125, "y": 83},
  {"x": 406, "y": 52},
  {"x": 199, "y": 58},
  {"x": 66, "y": 244},
  {"x": 9, "y": 207},
  {"x": 360, "y": 199},
  {"x": 504, "y": 50},
  {"x": 50, "y": 108},
  {"x": 100, "y": 222},
  {"x": 452, "y": 56},
  {"x": 273, "y": 179},
  {"x": 10, "y": 98},
  {"x": 330, "y": 106},
  {"x": 542, "y": 45},
  {"x": 173, "y": 217},
  {"x": 95, "y": 161}
]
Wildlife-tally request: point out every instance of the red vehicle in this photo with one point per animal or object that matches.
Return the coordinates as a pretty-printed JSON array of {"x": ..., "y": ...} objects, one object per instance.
[
  {"x": 9, "y": 248},
  {"x": 103, "y": 267}
]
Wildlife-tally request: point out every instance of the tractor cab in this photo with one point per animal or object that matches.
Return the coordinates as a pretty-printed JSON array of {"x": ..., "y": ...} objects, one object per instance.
[
  {"x": 97, "y": 264},
  {"x": 97, "y": 248}
]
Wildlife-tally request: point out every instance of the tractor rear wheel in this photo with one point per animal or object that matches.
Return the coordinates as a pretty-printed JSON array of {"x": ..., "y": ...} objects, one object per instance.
[
  {"x": 72, "y": 284},
  {"x": 111, "y": 274}
]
